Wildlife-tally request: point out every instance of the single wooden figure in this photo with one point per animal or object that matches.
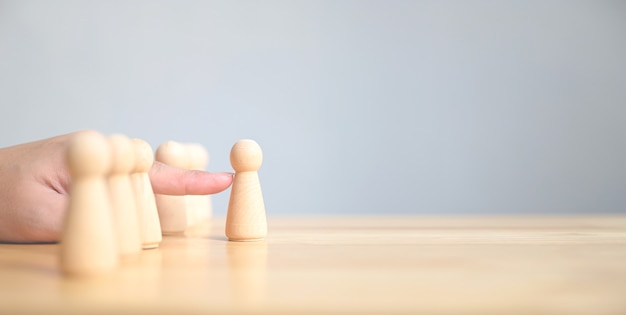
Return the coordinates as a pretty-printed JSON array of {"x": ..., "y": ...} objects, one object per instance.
[
  {"x": 150, "y": 227},
  {"x": 172, "y": 209},
  {"x": 88, "y": 242},
  {"x": 199, "y": 207},
  {"x": 245, "y": 220},
  {"x": 123, "y": 202}
]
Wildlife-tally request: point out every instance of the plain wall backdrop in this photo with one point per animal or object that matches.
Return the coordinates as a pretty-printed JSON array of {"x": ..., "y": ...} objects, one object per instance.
[{"x": 373, "y": 107}]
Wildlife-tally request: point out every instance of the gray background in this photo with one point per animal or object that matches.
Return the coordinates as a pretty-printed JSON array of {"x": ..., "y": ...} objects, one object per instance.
[{"x": 435, "y": 107}]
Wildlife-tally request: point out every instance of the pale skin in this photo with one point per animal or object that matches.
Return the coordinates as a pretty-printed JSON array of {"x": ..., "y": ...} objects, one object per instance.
[{"x": 34, "y": 185}]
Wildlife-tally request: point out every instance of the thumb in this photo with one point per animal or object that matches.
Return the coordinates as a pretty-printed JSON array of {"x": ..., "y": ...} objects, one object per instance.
[{"x": 170, "y": 180}]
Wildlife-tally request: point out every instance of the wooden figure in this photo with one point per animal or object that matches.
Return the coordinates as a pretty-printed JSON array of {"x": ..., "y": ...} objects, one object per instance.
[
  {"x": 125, "y": 213},
  {"x": 88, "y": 242},
  {"x": 245, "y": 220},
  {"x": 150, "y": 227},
  {"x": 172, "y": 209}
]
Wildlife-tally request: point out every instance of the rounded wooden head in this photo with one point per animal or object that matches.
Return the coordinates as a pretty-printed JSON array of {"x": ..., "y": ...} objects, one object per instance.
[
  {"x": 246, "y": 156},
  {"x": 88, "y": 154},
  {"x": 198, "y": 156},
  {"x": 172, "y": 153},
  {"x": 143, "y": 155},
  {"x": 123, "y": 154}
]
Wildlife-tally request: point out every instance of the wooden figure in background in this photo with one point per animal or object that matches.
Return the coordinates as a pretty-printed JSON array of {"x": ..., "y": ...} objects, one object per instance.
[
  {"x": 172, "y": 209},
  {"x": 123, "y": 202},
  {"x": 149, "y": 225},
  {"x": 199, "y": 207}
]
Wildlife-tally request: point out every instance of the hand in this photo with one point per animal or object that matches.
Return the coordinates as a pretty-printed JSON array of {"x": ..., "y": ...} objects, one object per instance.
[{"x": 34, "y": 188}]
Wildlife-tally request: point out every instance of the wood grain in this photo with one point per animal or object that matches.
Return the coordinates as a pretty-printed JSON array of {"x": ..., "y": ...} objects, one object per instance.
[{"x": 339, "y": 265}]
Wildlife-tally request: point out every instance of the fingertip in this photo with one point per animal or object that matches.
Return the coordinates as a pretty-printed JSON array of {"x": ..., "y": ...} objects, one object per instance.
[
  {"x": 207, "y": 183},
  {"x": 225, "y": 179},
  {"x": 228, "y": 176}
]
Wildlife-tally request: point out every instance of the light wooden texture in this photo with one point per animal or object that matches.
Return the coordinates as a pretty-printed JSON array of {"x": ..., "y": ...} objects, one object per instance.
[
  {"x": 246, "y": 219},
  {"x": 149, "y": 225},
  {"x": 339, "y": 265},
  {"x": 88, "y": 241},
  {"x": 172, "y": 209}
]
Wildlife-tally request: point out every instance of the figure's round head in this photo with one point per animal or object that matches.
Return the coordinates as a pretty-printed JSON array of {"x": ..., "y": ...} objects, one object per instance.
[
  {"x": 198, "y": 156},
  {"x": 172, "y": 153},
  {"x": 123, "y": 154},
  {"x": 246, "y": 156},
  {"x": 143, "y": 155},
  {"x": 89, "y": 154}
]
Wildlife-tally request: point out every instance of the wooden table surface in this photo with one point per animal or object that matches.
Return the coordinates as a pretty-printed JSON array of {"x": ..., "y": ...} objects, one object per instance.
[{"x": 360, "y": 265}]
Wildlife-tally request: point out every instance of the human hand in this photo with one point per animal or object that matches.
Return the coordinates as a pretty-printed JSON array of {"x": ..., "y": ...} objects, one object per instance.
[{"x": 34, "y": 188}]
